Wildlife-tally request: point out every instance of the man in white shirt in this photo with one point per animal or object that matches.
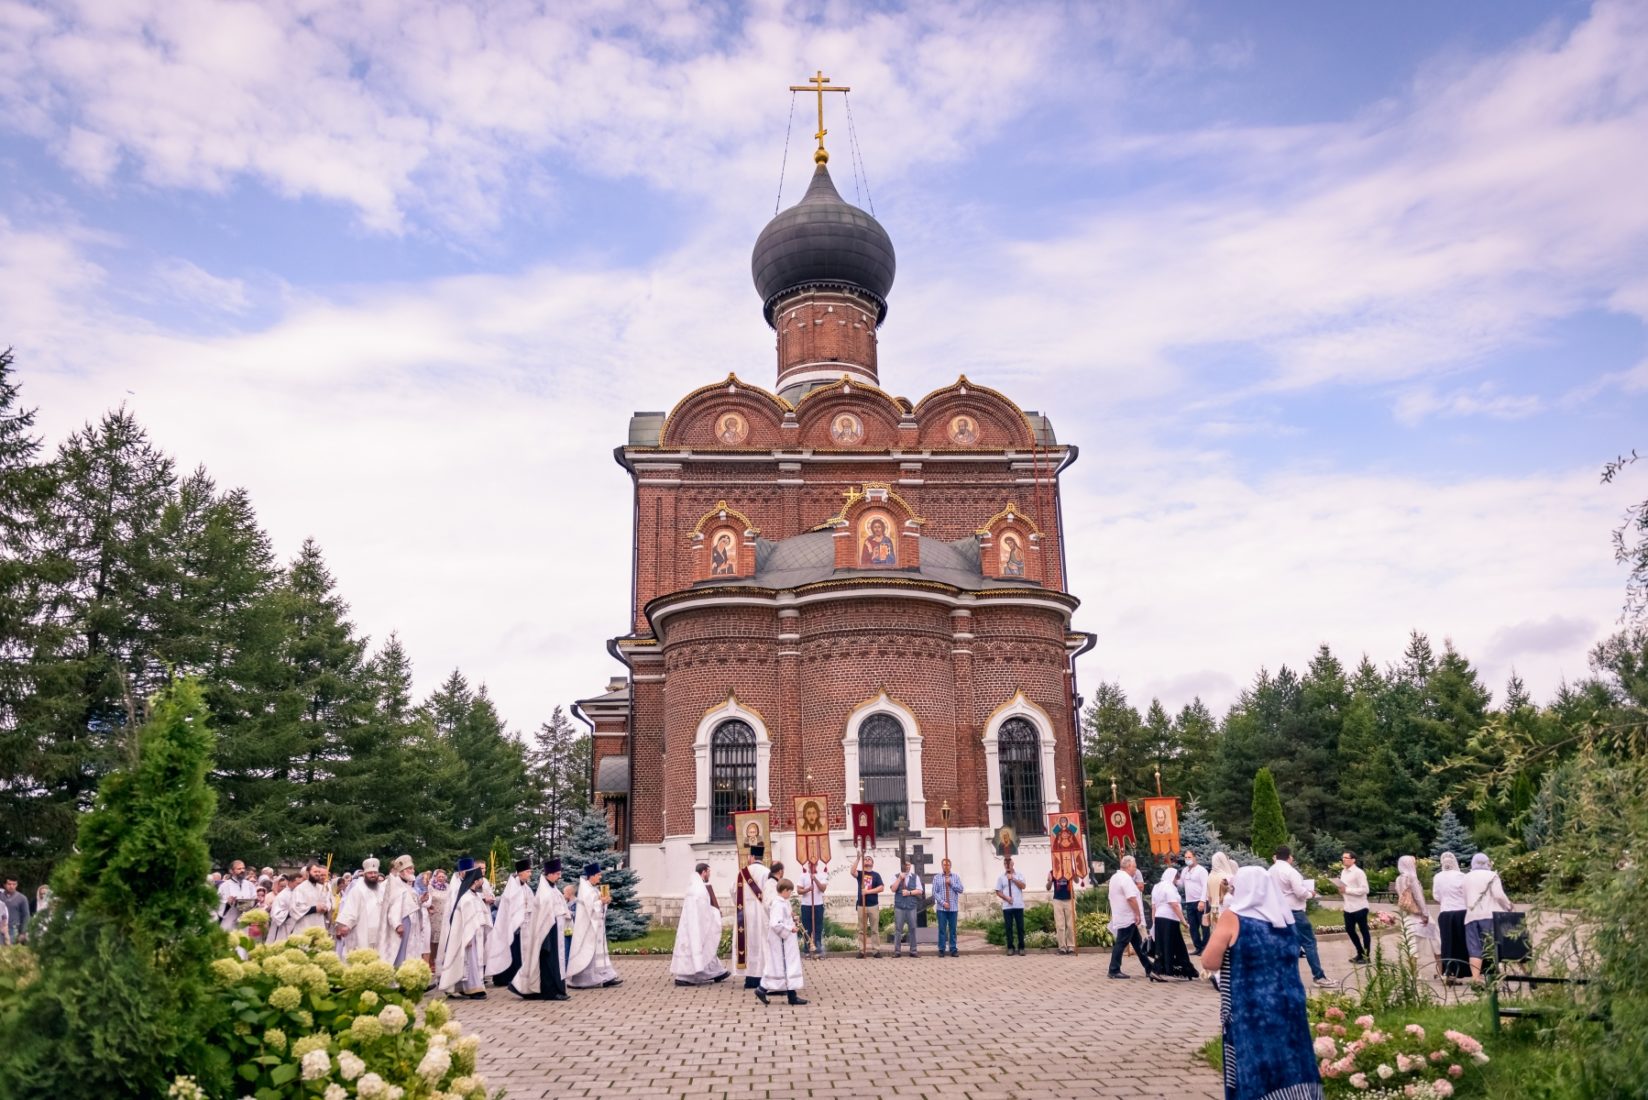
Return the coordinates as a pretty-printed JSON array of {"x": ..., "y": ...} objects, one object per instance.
[
  {"x": 1194, "y": 881},
  {"x": 1126, "y": 914},
  {"x": 1353, "y": 886},
  {"x": 1296, "y": 892}
]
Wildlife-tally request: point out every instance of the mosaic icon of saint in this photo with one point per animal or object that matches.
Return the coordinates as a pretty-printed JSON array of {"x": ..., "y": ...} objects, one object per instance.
[
  {"x": 752, "y": 834},
  {"x": 846, "y": 430},
  {"x": 732, "y": 429},
  {"x": 721, "y": 556},
  {"x": 1012, "y": 557},
  {"x": 963, "y": 431},
  {"x": 878, "y": 551},
  {"x": 812, "y": 820}
]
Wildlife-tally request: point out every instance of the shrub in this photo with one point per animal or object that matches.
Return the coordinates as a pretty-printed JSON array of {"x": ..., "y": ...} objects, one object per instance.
[
  {"x": 1355, "y": 1053},
  {"x": 1093, "y": 930},
  {"x": 1269, "y": 827},
  {"x": 1095, "y": 900},
  {"x": 840, "y": 943},
  {"x": 1038, "y": 918},
  {"x": 1041, "y": 941}
]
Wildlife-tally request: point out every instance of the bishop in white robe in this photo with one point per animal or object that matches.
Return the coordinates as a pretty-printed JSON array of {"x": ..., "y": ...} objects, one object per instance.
[
  {"x": 503, "y": 945},
  {"x": 402, "y": 914},
  {"x": 360, "y": 914},
  {"x": 589, "y": 965},
  {"x": 697, "y": 958},
  {"x": 783, "y": 958},
  {"x": 462, "y": 958},
  {"x": 751, "y": 932},
  {"x": 540, "y": 976}
]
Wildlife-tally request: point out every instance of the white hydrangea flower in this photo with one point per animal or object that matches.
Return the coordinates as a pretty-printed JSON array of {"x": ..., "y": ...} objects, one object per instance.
[
  {"x": 350, "y": 1065},
  {"x": 435, "y": 1064},
  {"x": 335, "y": 1091},
  {"x": 316, "y": 1064},
  {"x": 370, "y": 1086},
  {"x": 393, "y": 1018}
]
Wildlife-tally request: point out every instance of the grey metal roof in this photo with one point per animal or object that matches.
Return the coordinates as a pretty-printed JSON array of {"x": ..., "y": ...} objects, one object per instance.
[
  {"x": 644, "y": 428},
  {"x": 823, "y": 241},
  {"x": 809, "y": 558},
  {"x": 612, "y": 775}
]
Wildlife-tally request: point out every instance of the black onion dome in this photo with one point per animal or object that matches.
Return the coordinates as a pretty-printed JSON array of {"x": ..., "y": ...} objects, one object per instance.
[{"x": 823, "y": 241}]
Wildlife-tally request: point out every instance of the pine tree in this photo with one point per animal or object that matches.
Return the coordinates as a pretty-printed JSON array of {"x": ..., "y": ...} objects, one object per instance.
[
  {"x": 1197, "y": 833},
  {"x": 1269, "y": 827},
  {"x": 592, "y": 842},
  {"x": 1452, "y": 836},
  {"x": 121, "y": 996},
  {"x": 491, "y": 791},
  {"x": 559, "y": 766}
]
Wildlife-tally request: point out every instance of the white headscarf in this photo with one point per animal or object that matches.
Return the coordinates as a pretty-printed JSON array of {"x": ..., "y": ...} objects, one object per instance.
[
  {"x": 1481, "y": 862},
  {"x": 1258, "y": 896},
  {"x": 1450, "y": 862},
  {"x": 1224, "y": 865},
  {"x": 1166, "y": 892},
  {"x": 1407, "y": 878}
]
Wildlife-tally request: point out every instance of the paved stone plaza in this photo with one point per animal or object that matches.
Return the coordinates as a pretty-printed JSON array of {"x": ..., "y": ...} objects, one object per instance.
[{"x": 975, "y": 1027}]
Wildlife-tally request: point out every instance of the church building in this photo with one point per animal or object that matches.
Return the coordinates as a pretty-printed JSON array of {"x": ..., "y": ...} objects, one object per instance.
[{"x": 839, "y": 591}]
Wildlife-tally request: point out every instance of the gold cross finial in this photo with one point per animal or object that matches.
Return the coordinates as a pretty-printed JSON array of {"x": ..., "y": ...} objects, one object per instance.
[{"x": 819, "y": 83}]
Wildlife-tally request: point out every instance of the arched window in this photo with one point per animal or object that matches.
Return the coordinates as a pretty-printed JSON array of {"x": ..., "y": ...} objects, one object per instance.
[
  {"x": 1020, "y": 750},
  {"x": 881, "y": 768},
  {"x": 732, "y": 775}
]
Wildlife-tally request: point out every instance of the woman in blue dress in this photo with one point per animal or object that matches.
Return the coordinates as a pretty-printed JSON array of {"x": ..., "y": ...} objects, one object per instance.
[{"x": 1267, "y": 1041}]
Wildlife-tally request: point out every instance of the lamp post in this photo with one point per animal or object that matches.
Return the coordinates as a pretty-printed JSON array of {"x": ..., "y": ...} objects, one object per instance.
[{"x": 944, "y": 812}]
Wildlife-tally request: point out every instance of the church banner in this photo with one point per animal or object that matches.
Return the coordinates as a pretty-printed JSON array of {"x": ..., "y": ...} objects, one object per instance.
[
  {"x": 1118, "y": 825},
  {"x": 752, "y": 827},
  {"x": 863, "y": 824},
  {"x": 1161, "y": 817},
  {"x": 812, "y": 828},
  {"x": 1064, "y": 829}
]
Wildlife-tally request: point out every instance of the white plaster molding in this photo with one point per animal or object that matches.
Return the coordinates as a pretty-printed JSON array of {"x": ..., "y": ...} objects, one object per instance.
[
  {"x": 1018, "y": 707},
  {"x": 701, "y": 762},
  {"x": 915, "y": 811}
]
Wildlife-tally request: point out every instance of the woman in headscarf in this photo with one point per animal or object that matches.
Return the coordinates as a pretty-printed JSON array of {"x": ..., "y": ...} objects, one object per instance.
[
  {"x": 1221, "y": 880},
  {"x": 1416, "y": 916},
  {"x": 1266, "y": 1029},
  {"x": 1448, "y": 888},
  {"x": 1172, "y": 960},
  {"x": 1484, "y": 896}
]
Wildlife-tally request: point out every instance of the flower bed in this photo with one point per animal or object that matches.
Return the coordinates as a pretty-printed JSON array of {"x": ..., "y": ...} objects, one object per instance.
[
  {"x": 1357, "y": 1057},
  {"x": 298, "y": 1022}
]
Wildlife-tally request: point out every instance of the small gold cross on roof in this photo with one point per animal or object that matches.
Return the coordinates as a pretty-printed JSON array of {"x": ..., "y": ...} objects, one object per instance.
[{"x": 819, "y": 83}]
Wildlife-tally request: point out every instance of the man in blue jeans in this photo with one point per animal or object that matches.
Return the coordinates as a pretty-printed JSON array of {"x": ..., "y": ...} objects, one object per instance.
[
  {"x": 1010, "y": 889},
  {"x": 1296, "y": 894},
  {"x": 947, "y": 903}
]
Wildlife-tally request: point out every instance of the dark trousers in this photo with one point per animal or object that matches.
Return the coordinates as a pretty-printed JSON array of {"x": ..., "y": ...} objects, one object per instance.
[
  {"x": 1126, "y": 937},
  {"x": 1193, "y": 911},
  {"x": 812, "y": 925},
  {"x": 946, "y": 931},
  {"x": 507, "y": 974},
  {"x": 1356, "y": 926},
  {"x": 1013, "y": 921}
]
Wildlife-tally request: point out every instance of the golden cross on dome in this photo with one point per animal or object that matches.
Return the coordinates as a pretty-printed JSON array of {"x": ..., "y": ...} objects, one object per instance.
[{"x": 819, "y": 83}]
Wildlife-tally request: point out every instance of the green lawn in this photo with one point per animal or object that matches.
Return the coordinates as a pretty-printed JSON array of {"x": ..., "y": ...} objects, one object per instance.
[{"x": 656, "y": 939}]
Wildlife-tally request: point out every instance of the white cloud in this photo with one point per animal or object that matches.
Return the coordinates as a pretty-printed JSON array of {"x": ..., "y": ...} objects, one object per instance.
[{"x": 1484, "y": 399}]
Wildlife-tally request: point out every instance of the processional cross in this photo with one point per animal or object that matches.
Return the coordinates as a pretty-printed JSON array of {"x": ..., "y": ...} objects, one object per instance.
[{"x": 819, "y": 83}]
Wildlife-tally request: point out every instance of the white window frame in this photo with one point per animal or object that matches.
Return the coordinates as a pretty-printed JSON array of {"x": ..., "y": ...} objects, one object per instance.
[
  {"x": 1018, "y": 707},
  {"x": 729, "y": 710},
  {"x": 915, "y": 810}
]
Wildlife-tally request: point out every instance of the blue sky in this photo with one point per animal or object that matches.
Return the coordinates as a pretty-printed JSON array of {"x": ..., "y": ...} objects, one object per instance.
[{"x": 1345, "y": 306}]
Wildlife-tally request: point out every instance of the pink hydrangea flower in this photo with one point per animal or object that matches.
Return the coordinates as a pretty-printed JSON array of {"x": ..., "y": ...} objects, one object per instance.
[
  {"x": 1326, "y": 1047},
  {"x": 1334, "y": 1013},
  {"x": 1339, "y": 1030},
  {"x": 1415, "y": 1030},
  {"x": 1358, "y": 1080},
  {"x": 1364, "y": 1022},
  {"x": 1439, "y": 1056},
  {"x": 1323, "y": 1029},
  {"x": 1442, "y": 1087},
  {"x": 1456, "y": 1070}
]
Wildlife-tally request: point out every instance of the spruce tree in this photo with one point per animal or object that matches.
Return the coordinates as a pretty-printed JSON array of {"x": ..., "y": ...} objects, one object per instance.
[
  {"x": 1197, "y": 833},
  {"x": 1269, "y": 827},
  {"x": 121, "y": 1000},
  {"x": 491, "y": 791},
  {"x": 592, "y": 842},
  {"x": 559, "y": 765},
  {"x": 1452, "y": 836}
]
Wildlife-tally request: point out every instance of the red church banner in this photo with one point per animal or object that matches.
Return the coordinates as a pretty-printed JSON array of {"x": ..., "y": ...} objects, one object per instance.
[
  {"x": 1161, "y": 817},
  {"x": 1118, "y": 825},
  {"x": 863, "y": 814}
]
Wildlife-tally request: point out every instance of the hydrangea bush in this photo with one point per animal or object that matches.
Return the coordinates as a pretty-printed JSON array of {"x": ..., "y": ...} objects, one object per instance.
[
  {"x": 1359, "y": 1058},
  {"x": 301, "y": 1023}
]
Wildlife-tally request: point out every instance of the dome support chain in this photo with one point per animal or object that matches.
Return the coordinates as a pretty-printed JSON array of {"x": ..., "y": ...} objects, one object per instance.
[
  {"x": 858, "y": 156},
  {"x": 785, "y": 162}
]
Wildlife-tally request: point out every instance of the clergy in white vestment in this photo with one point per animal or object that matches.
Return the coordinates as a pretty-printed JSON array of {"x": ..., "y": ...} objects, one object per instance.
[
  {"x": 398, "y": 938},
  {"x": 280, "y": 909},
  {"x": 783, "y": 958},
  {"x": 236, "y": 894},
  {"x": 503, "y": 944},
  {"x": 589, "y": 965},
  {"x": 360, "y": 914},
  {"x": 311, "y": 902},
  {"x": 750, "y": 934},
  {"x": 462, "y": 952},
  {"x": 697, "y": 958},
  {"x": 540, "y": 976}
]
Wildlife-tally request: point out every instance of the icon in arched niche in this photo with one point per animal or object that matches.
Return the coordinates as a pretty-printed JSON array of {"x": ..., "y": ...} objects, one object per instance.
[
  {"x": 731, "y": 428},
  {"x": 964, "y": 430},
  {"x": 877, "y": 550},
  {"x": 847, "y": 429},
  {"x": 1012, "y": 556},
  {"x": 724, "y": 553}
]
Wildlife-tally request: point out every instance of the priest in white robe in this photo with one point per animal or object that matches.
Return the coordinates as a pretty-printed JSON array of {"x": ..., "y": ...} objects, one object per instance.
[
  {"x": 398, "y": 938},
  {"x": 541, "y": 976},
  {"x": 783, "y": 958},
  {"x": 697, "y": 959},
  {"x": 462, "y": 958},
  {"x": 360, "y": 913},
  {"x": 311, "y": 902},
  {"x": 750, "y": 934},
  {"x": 514, "y": 912},
  {"x": 589, "y": 964}
]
